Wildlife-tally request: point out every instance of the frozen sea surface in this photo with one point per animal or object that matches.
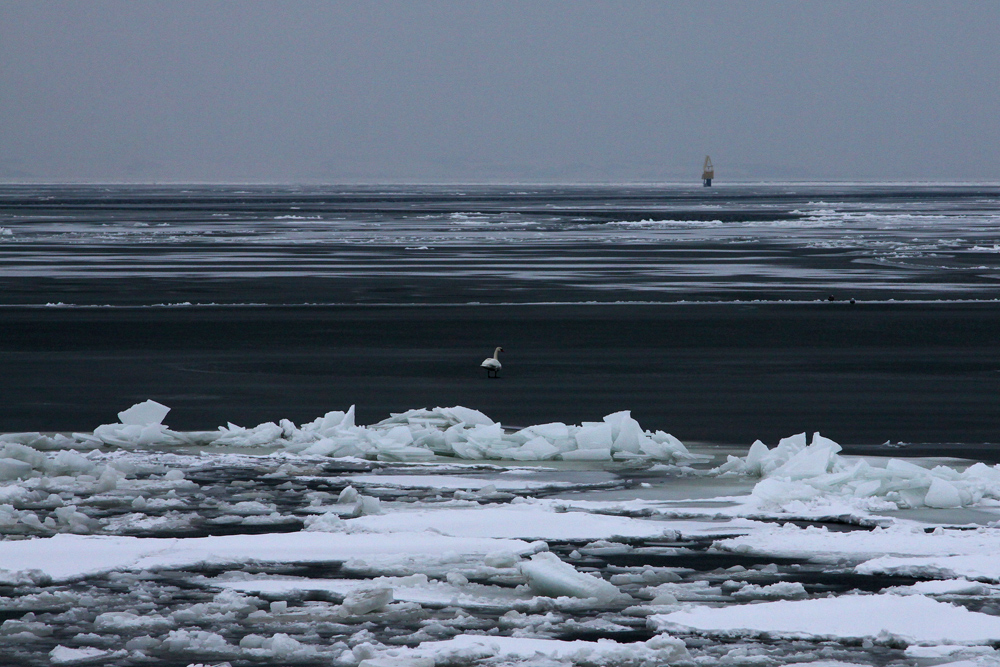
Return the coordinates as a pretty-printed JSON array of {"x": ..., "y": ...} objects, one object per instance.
[
  {"x": 336, "y": 543},
  {"x": 144, "y": 245}
]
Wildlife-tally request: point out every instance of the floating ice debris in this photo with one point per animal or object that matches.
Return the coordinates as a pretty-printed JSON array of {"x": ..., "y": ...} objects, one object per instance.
[
  {"x": 914, "y": 619},
  {"x": 455, "y": 591},
  {"x": 783, "y": 590},
  {"x": 469, "y": 649},
  {"x": 63, "y": 655},
  {"x": 147, "y": 413},
  {"x": 280, "y": 645},
  {"x": 415, "y": 435},
  {"x": 793, "y": 472},
  {"x": 140, "y": 426},
  {"x": 548, "y": 575},
  {"x": 129, "y": 622},
  {"x": 188, "y": 640},
  {"x": 366, "y": 599}
]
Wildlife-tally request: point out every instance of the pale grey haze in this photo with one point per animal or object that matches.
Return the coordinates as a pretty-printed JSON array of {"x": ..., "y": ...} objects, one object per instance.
[{"x": 467, "y": 91}]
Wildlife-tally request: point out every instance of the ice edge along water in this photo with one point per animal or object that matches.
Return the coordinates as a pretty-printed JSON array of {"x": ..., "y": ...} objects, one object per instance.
[
  {"x": 793, "y": 473},
  {"x": 453, "y": 544}
]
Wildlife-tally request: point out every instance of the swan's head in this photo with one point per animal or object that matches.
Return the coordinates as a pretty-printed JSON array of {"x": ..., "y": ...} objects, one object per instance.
[{"x": 499, "y": 349}]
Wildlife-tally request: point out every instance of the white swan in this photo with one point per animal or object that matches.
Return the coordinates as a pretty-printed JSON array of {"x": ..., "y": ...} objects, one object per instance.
[{"x": 492, "y": 365}]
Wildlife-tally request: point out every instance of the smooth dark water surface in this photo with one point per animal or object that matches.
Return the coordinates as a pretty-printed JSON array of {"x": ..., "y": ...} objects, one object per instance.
[{"x": 918, "y": 373}]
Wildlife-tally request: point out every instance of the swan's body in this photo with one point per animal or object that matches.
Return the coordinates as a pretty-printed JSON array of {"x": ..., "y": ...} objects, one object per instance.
[{"x": 492, "y": 364}]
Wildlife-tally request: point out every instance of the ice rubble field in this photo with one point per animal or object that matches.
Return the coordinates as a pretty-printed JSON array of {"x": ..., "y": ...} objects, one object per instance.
[{"x": 437, "y": 537}]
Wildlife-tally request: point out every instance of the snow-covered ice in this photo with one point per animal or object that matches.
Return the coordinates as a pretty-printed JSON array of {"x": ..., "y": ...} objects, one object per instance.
[
  {"x": 66, "y": 557},
  {"x": 526, "y": 521},
  {"x": 914, "y": 619},
  {"x": 468, "y": 649}
]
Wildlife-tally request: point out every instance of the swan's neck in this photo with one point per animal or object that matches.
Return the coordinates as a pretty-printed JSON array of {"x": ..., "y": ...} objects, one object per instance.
[{"x": 496, "y": 353}]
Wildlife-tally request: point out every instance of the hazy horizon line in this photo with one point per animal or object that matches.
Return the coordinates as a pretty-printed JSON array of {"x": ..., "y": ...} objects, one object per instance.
[{"x": 416, "y": 183}]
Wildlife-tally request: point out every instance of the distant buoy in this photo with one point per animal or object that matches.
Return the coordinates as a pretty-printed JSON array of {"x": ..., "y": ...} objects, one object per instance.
[{"x": 707, "y": 172}]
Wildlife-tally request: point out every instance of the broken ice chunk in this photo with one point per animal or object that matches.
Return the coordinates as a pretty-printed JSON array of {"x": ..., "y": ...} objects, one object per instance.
[
  {"x": 367, "y": 505},
  {"x": 347, "y": 496},
  {"x": 467, "y": 415},
  {"x": 11, "y": 469},
  {"x": 548, "y": 575},
  {"x": 594, "y": 436},
  {"x": 536, "y": 449},
  {"x": 367, "y": 600},
  {"x": 147, "y": 413},
  {"x": 782, "y": 590},
  {"x": 942, "y": 494}
]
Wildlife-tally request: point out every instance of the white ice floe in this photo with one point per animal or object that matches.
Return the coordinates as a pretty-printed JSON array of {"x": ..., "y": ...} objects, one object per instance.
[
  {"x": 980, "y": 567},
  {"x": 794, "y": 473},
  {"x": 954, "y": 651},
  {"x": 66, "y": 557},
  {"x": 64, "y": 655},
  {"x": 902, "y": 539},
  {"x": 901, "y": 549},
  {"x": 915, "y": 619},
  {"x": 412, "y": 588},
  {"x": 782, "y": 590},
  {"x": 468, "y": 649},
  {"x": 525, "y": 521},
  {"x": 139, "y": 426},
  {"x": 942, "y": 587}
]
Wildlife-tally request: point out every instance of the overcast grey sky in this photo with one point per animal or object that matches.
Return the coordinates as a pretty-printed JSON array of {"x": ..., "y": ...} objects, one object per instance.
[{"x": 425, "y": 91}]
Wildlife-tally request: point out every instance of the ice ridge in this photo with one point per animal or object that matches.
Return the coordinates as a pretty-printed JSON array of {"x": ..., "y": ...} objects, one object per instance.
[{"x": 414, "y": 435}]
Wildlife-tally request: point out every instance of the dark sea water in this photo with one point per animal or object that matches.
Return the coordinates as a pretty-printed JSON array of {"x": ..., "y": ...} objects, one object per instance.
[{"x": 706, "y": 311}]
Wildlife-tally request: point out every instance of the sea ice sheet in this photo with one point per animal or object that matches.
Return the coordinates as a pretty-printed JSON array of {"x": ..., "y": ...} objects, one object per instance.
[
  {"x": 523, "y": 521},
  {"x": 916, "y": 618},
  {"x": 64, "y": 557}
]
